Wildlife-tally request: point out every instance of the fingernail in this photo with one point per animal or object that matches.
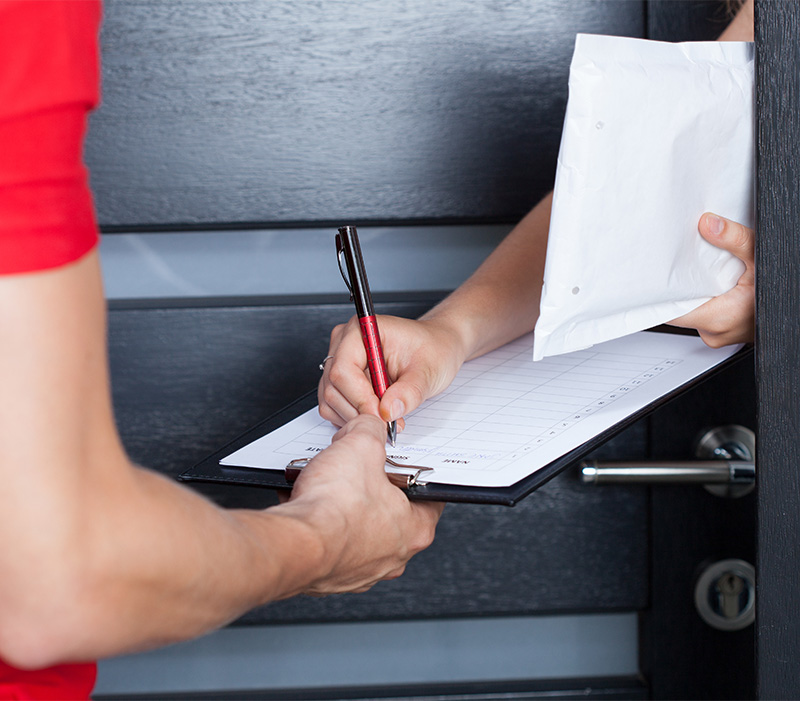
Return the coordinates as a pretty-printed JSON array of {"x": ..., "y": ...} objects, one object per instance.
[
  {"x": 398, "y": 410},
  {"x": 715, "y": 224}
]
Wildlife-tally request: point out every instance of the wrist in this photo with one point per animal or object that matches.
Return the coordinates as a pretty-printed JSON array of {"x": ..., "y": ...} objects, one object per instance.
[
  {"x": 454, "y": 330},
  {"x": 300, "y": 545}
]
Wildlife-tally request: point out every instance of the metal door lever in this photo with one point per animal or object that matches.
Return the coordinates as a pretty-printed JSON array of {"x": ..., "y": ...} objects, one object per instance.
[
  {"x": 730, "y": 471},
  {"x": 700, "y": 471}
]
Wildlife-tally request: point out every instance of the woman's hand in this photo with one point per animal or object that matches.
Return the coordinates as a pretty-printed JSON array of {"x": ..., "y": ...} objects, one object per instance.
[
  {"x": 730, "y": 317},
  {"x": 422, "y": 358}
]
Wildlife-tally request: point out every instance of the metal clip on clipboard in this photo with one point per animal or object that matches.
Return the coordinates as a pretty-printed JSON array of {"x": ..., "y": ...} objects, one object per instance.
[{"x": 398, "y": 479}]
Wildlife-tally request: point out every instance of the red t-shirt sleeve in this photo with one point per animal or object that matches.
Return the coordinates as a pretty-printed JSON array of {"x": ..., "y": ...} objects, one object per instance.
[
  {"x": 65, "y": 682},
  {"x": 48, "y": 85},
  {"x": 49, "y": 74}
]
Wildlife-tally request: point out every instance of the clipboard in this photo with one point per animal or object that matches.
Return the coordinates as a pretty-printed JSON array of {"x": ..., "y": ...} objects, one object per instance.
[{"x": 211, "y": 470}]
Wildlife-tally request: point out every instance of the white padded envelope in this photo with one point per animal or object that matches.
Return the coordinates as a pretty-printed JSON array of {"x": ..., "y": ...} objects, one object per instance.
[{"x": 655, "y": 134}]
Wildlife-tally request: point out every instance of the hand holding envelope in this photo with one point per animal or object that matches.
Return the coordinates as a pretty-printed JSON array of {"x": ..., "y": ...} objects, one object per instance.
[
  {"x": 655, "y": 135},
  {"x": 730, "y": 317}
]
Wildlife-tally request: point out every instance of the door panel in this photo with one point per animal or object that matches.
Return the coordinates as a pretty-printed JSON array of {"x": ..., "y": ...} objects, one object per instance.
[
  {"x": 684, "y": 657},
  {"x": 778, "y": 346},
  {"x": 197, "y": 139}
]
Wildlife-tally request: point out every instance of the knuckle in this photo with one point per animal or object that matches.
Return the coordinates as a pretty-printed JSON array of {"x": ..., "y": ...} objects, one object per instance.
[
  {"x": 329, "y": 393},
  {"x": 336, "y": 374},
  {"x": 430, "y": 534},
  {"x": 367, "y": 406},
  {"x": 330, "y": 415},
  {"x": 741, "y": 237},
  {"x": 336, "y": 332},
  {"x": 422, "y": 540},
  {"x": 414, "y": 395},
  {"x": 395, "y": 573}
]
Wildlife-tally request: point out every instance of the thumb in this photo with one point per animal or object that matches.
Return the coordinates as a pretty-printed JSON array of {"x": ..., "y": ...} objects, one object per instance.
[
  {"x": 405, "y": 395},
  {"x": 361, "y": 441},
  {"x": 729, "y": 236},
  {"x": 365, "y": 427}
]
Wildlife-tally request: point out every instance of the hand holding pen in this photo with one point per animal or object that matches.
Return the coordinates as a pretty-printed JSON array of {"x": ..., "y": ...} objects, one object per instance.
[
  {"x": 348, "y": 250},
  {"x": 423, "y": 357}
]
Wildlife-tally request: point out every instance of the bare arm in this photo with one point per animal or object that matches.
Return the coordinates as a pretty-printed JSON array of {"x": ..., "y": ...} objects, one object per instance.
[
  {"x": 100, "y": 556},
  {"x": 741, "y": 26},
  {"x": 499, "y": 302}
]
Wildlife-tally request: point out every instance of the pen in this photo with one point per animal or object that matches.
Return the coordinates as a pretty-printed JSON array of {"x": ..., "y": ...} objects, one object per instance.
[{"x": 355, "y": 278}]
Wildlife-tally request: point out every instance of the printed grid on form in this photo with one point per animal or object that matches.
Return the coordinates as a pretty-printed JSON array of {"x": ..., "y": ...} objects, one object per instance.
[
  {"x": 502, "y": 406},
  {"x": 505, "y": 416}
]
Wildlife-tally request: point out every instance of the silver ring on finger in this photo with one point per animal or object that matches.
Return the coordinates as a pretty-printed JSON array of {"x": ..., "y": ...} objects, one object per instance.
[{"x": 325, "y": 360}]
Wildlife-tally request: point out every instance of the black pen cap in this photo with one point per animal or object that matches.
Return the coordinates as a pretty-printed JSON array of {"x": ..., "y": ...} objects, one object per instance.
[{"x": 354, "y": 260}]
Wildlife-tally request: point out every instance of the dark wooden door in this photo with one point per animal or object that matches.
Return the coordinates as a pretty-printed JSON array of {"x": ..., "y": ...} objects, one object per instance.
[
  {"x": 193, "y": 139},
  {"x": 778, "y": 347}
]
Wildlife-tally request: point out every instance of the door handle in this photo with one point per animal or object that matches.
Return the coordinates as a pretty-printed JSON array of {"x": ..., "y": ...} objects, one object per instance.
[{"x": 725, "y": 465}]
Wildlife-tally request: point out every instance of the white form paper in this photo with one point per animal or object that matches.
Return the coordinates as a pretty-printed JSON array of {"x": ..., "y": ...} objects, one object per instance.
[{"x": 505, "y": 416}]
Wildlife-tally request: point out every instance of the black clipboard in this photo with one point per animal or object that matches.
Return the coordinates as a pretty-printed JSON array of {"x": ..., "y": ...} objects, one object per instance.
[{"x": 210, "y": 470}]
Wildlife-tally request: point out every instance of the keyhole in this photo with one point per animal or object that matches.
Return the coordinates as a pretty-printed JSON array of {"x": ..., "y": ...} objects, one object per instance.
[
  {"x": 729, "y": 589},
  {"x": 725, "y": 595}
]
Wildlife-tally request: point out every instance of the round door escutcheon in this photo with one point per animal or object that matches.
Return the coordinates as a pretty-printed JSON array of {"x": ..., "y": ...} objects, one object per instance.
[
  {"x": 725, "y": 595},
  {"x": 732, "y": 442}
]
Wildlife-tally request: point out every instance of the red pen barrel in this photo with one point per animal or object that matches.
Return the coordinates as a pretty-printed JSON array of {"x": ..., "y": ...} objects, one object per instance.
[{"x": 372, "y": 344}]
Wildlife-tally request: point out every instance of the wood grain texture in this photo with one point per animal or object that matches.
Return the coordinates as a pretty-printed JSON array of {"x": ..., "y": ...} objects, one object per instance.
[
  {"x": 778, "y": 346},
  {"x": 270, "y": 111},
  {"x": 186, "y": 380},
  {"x": 274, "y": 111}
]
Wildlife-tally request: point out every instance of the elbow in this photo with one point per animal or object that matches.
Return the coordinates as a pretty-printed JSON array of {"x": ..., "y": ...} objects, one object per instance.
[
  {"x": 26, "y": 646},
  {"x": 42, "y": 623}
]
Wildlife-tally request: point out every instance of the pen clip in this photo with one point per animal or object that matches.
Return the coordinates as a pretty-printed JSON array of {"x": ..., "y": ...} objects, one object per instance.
[{"x": 339, "y": 254}]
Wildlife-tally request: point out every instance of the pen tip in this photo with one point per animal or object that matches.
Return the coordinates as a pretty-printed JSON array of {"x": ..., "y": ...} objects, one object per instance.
[{"x": 392, "y": 430}]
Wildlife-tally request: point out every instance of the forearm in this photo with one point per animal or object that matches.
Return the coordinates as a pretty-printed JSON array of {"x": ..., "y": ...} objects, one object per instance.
[
  {"x": 500, "y": 301},
  {"x": 165, "y": 565},
  {"x": 741, "y": 27},
  {"x": 98, "y": 556}
]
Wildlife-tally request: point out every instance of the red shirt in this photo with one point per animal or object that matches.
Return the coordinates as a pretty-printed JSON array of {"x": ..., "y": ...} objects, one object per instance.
[
  {"x": 49, "y": 75},
  {"x": 49, "y": 71}
]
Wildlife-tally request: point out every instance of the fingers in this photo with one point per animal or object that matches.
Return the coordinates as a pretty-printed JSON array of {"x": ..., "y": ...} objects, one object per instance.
[
  {"x": 421, "y": 357},
  {"x": 730, "y": 317},
  {"x": 344, "y": 389},
  {"x": 376, "y": 529},
  {"x": 405, "y": 395},
  {"x": 363, "y": 439},
  {"x": 364, "y": 425},
  {"x": 334, "y": 405},
  {"x": 427, "y": 515},
  {"x": 730, "y": 236}
]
